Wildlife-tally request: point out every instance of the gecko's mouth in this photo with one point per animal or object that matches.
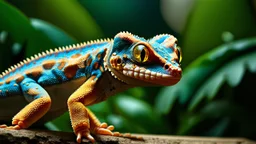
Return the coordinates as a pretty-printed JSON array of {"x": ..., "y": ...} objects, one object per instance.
[
  {"x": 151, "y": 76},
  {"x": 142, "y": 76}
]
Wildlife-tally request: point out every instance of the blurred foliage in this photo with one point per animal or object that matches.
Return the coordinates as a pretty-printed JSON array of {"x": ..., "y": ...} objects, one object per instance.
[
  {"x": 216, "y": 95},
  {"x": 209, "y": 19}
]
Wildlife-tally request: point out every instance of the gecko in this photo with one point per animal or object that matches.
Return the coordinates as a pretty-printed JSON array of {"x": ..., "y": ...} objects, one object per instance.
[{"x": 70, "y": 78}]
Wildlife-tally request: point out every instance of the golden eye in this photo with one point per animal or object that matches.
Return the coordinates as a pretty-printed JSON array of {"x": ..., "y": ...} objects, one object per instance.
[
  {"x": 179, "y": 53},
  {"x": 140, "y": 53}
]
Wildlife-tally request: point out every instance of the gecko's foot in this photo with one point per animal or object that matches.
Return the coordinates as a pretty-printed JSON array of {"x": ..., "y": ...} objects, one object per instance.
[
  {"x": 17, "y": 124},
  {"x": 15, "y": 127},
  {"x": 103, "y": 129}
]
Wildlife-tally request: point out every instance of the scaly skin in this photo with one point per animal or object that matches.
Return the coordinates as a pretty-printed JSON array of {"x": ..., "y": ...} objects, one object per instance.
[{"x": 43, "y": 87}]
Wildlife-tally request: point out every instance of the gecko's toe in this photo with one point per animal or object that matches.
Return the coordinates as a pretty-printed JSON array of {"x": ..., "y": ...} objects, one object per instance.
[
  {"x": 118, "y": 134},
  {"x": 3, "y": 126},
  {"x": 85, "y": 134},
  {"x": 14, "y": 127},
  {"x": 105, "y": 126},
  {"x": 127, "y": 135},
  {"x": 103, "y": 131},
  {"x": 18, "y": 124}
]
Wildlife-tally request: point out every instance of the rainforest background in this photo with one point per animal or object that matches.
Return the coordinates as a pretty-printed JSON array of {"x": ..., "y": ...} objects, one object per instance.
[{"x": 216, "y": 96}]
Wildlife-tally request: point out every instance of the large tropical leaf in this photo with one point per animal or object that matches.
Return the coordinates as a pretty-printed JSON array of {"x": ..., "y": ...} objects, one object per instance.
[
  {"x": 14, "y": 22},
  {"x": 46, "y": 36},
  {"x": 203, "y": 78},
  {"x": 15, "y": 29},
  {"x": 209, "y": 19},
  {"x": 137, "y": 113},
  {"x": 36, "y": 34},
  {"x": 217, "y": 113},
  {"x": 70, "y": 16}
]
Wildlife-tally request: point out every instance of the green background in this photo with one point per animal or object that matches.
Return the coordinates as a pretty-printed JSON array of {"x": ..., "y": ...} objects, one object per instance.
[{"x": 216, "y": 96}]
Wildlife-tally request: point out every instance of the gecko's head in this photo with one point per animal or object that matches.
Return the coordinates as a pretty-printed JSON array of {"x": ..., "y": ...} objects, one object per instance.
[{"x": 141, "y": 62}]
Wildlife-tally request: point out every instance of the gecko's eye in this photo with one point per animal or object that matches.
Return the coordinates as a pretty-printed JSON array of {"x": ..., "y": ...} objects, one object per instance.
[
  {"x": 179, "y": 53},
  {"x": 140, "y": 53}
]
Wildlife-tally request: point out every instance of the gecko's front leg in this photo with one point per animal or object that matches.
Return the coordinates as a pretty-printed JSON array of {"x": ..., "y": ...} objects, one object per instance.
[
  {"x": 40, "y": 103},
  {"x": 82, "y": 119}
]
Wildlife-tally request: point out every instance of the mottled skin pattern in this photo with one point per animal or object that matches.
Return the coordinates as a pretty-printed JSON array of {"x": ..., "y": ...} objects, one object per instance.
[{"x": 46, "y": 85}]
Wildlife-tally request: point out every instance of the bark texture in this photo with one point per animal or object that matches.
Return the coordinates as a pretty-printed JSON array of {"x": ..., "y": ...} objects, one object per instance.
[{"x": 53, "y": 137}]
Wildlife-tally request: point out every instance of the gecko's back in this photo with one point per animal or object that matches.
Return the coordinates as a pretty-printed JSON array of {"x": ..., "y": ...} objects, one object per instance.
[{"x": 60, "y": 72}]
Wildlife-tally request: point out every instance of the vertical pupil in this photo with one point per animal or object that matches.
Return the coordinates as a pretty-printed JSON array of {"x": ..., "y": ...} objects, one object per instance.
[
  {"x": 178, "y": 56},
  {"x": 142, "y": 55}
]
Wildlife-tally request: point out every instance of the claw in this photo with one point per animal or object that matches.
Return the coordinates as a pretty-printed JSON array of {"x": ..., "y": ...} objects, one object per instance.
[
  {"x": 89, "y": 137},
  {"x": 79, "y": 138},
  {"x": 85, "y": 134}
]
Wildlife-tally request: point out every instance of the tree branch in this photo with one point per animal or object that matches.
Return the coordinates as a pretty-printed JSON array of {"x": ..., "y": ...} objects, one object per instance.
[{"x": 52, "y": 137}]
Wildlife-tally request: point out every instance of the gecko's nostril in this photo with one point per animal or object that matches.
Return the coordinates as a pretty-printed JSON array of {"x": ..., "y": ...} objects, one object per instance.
[
  {"x": 119, "y": 61},
  {"x": 166, "y": 66}
]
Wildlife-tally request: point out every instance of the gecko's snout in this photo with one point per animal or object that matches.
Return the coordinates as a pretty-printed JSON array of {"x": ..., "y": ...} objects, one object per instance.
[{"x": 173, "y": 71}]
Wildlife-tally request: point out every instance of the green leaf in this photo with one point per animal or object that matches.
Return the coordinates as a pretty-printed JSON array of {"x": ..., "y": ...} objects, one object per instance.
[
  {"x": 220, "y": 110},
  {"x": 232, "y": 72},
  {"x": 6, "y": 45},
  {"x": 137, "y": 92},
  {"x": 69, "y": 16},
  {"x": 15, "y": 30},
  {"x": 14, "y": 22},
  {"x": 204, "y": 76},
  {"x": 61, "y": 123},
  {"x": 219, "y": 128},
  {"x": 133, "y": 108},
  {"x": 122, "y": 124},
  {"x": 165, "y": 100},
  {"x": 57, "y": 35},
  {"x": 116, "y": 120},
  {"x": 46, "y": 36},
  {"x": 209, "y": 20},
  {"x": 188, "y": 122},
  {"x": 137, "y": 112},
  {"x": 38, "y": 34},
  {"x": 101, "y": 108}
]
